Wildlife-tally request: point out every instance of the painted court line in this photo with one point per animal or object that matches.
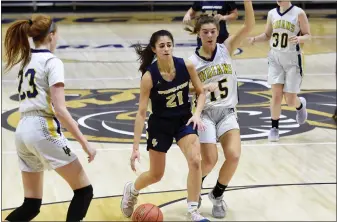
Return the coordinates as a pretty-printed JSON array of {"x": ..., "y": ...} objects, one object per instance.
[
  {"x": 128, "y": 147},
  {"x": 137, "y": 77}
]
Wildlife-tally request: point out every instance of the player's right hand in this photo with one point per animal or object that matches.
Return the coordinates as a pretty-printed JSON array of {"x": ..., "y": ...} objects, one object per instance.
[
  {"x": 251, "y": 40},
  {"x": 211, "y": 87},
  {"x": 187, "y": 19},
  {"x": 90, "y": 151},
  {"x": 135, "y": 155}
]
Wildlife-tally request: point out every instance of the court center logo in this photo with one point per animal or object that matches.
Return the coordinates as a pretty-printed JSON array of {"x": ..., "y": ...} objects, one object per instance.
[{"x": 108, "y": 115}]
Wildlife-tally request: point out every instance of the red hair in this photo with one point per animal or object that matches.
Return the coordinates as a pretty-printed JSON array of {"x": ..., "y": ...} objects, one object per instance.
[{"x": 16, "y": 44}]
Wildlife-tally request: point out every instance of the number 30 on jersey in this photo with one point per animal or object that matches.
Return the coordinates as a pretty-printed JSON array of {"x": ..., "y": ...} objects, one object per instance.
[{"x": 280, "y": 39}]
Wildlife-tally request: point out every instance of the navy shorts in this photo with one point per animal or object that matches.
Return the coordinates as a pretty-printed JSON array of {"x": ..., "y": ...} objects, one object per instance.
[{"x": 161, "y": 131}]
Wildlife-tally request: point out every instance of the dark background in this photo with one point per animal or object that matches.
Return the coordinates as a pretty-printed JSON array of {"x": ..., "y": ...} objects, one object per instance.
[{"x": 136, "y": 6}]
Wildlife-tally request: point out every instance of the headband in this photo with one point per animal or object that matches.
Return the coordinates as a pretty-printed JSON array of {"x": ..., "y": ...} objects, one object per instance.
[{"x": 51, "y": 27}]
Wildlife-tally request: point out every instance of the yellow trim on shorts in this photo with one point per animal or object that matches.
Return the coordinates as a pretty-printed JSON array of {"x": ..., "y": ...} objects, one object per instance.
[
  {"x": 51, "y": 127},
  {"x": 50, "y": 120}
]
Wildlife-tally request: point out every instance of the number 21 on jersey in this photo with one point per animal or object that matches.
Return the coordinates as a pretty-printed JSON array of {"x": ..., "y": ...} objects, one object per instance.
[{"x": 171, "y": 100}]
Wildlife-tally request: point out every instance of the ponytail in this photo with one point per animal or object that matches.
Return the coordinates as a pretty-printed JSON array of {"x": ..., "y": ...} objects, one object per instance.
[
  {"x": 17, "y": 47},
  {"x": 16, "y": 44},
  {"x": 146, "y": 56}
]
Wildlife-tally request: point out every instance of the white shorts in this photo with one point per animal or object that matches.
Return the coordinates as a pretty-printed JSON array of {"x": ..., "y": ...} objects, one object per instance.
[
  {"x": 218, "y": 121},
  {"x": 285, "y": 68},
  {"x": 40, "y": 144}
]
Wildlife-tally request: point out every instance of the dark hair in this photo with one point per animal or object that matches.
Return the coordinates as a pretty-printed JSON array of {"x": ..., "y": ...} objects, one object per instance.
[
  {"x": 202, "y": 20},
  {"x": 16, "y": 44},
  {"x": 146, "y": 54}
]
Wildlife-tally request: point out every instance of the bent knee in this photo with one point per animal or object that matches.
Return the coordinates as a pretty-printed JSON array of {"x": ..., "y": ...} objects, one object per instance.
[
  {"x": 27, "y": 211},
  {"x": 209, "y": 161},
  {"x": 209, "y": 158},
  {"x": 234, "y": 157},
  {"x": 194, "y": 158},
  {"x": 234, "y": 154},
  {"x": 156, "y": 177},
  {"x": 194, "y": 162}
]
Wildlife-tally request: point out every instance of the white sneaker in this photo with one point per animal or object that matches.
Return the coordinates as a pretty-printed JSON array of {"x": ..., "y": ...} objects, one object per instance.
[
  {"x": 302, "y": 114},
  {"x": 196, "y": 216},
  {"x": 274, "y": 135},
  {"x": 129, "y": 200},
  {"x": 219, "y": 209}
]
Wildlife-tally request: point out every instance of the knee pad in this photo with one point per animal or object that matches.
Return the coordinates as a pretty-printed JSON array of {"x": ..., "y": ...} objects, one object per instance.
[
  {"x": 27, "y": 211},
  {"x": 80, "y": 203}
]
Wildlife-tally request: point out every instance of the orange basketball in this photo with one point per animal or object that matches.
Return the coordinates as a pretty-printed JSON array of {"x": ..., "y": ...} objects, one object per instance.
[{"x": 147, "y": 212}]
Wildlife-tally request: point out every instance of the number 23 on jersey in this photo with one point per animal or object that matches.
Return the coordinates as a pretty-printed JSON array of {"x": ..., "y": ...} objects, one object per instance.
[{"x": 30, "y": 77}]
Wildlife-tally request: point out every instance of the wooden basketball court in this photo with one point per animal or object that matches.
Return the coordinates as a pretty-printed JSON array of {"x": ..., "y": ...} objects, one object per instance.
[{"x": 294, "y": 179}]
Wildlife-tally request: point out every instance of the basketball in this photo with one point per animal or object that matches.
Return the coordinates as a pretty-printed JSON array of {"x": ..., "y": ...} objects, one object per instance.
[{"x": 147, "y": 212}]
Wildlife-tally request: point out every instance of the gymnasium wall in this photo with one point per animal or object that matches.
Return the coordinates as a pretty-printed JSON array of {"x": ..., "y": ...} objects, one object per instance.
[{"x": 139, "y": 6}]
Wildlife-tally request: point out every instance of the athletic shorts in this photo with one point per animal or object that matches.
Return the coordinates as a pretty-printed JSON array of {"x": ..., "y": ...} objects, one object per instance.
[
  {"x": 162, "y": 131},
  {"x": 40, "y": 144},
  {"x": 285, "y": 68},
  {"x": 218, "y": 121}
]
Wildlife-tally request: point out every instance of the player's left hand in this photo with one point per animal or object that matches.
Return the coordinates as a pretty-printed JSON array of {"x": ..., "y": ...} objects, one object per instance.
[
  {"x": 134, "y": 156},
  {"x": 220, "y": 17},
  {"x": 294, "y": 39},
  {"x": 197, "y": 122}
]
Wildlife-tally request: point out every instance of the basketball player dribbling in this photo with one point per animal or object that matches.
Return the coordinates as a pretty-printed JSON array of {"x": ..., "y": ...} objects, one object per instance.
[{"x": 165, "y": 83}]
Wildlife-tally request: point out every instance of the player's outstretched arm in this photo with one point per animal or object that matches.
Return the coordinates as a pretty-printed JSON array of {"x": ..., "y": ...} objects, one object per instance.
[
  {"x": 235, "y": 40},
  {"x": 190, "y": 14}
]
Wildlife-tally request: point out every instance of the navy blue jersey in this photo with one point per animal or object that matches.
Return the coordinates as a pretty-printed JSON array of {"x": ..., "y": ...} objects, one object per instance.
[
  {"x": 170, "y": 99},
  {"x": 213, "y": 8}
]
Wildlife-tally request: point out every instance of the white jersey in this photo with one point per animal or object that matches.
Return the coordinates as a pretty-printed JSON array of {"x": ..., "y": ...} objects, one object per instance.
[
  {"x": 34, "y": 81},
  {"x": 218, "y": 70},
  {"x": 285, "y": 25}
]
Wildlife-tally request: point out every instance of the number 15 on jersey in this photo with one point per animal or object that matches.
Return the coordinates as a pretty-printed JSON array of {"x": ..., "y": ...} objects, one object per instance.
[{"x": 223, "y": 89}]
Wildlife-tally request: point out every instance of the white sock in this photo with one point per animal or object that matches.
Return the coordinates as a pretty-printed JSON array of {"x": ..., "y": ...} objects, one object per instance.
[
  {"x": 133, "y": 190},
  {"x": 192, "y": 206}
]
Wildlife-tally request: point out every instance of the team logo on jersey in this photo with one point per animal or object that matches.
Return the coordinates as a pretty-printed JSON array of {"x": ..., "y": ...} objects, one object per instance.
[
  {"x": 108, "y": 115},
  {"x": 154, "y": 142}
]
